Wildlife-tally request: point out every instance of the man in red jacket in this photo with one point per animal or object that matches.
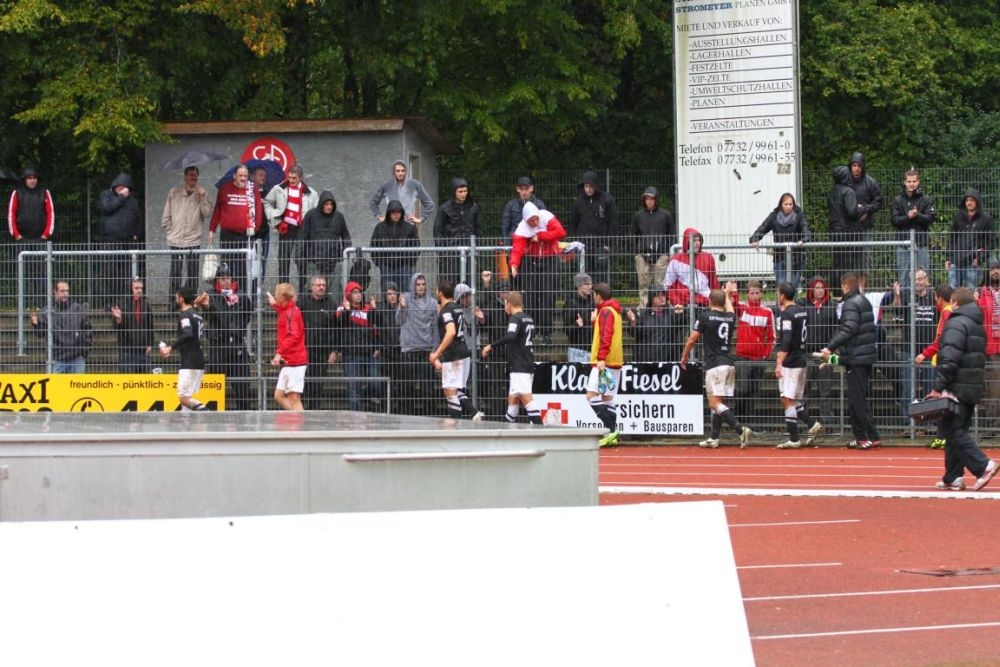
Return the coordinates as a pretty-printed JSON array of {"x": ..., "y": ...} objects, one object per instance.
[
  {"x": 239, "y": 211},
  {"x": 754, "y": 342},
  {"x": 534, "y": 265},
  {"x": 291, "y": 357}
]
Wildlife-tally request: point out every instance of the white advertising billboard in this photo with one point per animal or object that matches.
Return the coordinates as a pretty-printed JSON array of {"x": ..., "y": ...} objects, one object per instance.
[{"x": 737, "y": 116}]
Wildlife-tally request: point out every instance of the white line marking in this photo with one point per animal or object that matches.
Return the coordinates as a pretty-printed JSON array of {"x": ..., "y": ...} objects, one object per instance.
[
  {"x": 772, "y": 567},
  {"x": 814, "y": 493},
  {"x": 898, "y": 591},
  {"x": 875, "y": 631},
  {"x": 792, "y": 523}
]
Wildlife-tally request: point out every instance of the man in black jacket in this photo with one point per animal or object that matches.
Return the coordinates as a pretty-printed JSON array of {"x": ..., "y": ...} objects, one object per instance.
[
  {"x": 593, "y": 220},
  {"x": 227, "y": 316},
  {"x": 856, "y": 339},
  {"x": 844, "y": 215},
  {"x": 121, "y": 229},
  {"x": 655, "y": 232},
  {"x": 317, "y": 308},
  {"x": 868, "y": 192},
  {"x": 134, "y": 325},
  {"x": 72, "y": 334},
  {"x": 959, "y": 375},
  {"x": 912, "y": 210},
  {"x": 457, "y": 220}
]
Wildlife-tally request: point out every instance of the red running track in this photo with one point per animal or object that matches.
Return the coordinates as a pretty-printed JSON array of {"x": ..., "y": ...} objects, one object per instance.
[{"x": 836, "y": 549}]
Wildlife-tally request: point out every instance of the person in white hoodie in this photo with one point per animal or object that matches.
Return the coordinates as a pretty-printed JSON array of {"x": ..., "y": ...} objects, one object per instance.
[{"x": 534, "y": 264}]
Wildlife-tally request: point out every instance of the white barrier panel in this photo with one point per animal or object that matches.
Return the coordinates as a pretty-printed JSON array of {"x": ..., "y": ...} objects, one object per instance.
[{"x": 623, "y": 585}]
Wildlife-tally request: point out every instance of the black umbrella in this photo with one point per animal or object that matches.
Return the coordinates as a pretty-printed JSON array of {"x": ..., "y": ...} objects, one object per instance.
[
  {"x": 192, "y": 158},
  {"x": 275, "y": 173}
]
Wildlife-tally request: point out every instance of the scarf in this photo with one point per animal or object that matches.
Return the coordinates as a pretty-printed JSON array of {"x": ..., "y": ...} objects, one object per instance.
[
  {"x": 293, "y": 210},
  {"x": 786, "y": 219}
]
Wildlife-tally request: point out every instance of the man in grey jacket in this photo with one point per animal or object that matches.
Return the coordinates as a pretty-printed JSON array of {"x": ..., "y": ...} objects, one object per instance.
[
  {"x": 72, "y": 334},
  {"x": 416, "y": 316},
  {"x": 407, "y": 191}
]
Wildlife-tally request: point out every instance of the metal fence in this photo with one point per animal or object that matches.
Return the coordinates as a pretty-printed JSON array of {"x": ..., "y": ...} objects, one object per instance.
[{"x": 354, "y": 365}]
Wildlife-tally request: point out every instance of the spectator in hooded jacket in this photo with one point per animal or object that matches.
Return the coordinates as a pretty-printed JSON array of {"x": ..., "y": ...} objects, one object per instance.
[
  {"x": 417, "y": 318},
  {"x": 286, "y": 207},
  {"x": 511, "y": 215},
  {"x": 408, "y": 192},
  {"x": 959, "y": 374},
  {"x": 534, "y": 265},
  {"x": 677, "y": 280},
  {"x": 227, "y": 314},
  {"x": 970, "y": 242},
  {"x": 868, "y": 192},
  {"x": 912, "y": 210},
  {"x": 820, "y": 327},
  {"x": 396, "y": 233},
  {"x": 318, "y": 308},
  {"x": 31, "y": 220},
  {"x": 357, "y": 340},
  {"x": 324, "y": 237},
  {"x": 655, "y": 232},
  {"x": 72, "y": 334},
  {"x": 187, "y": 208},
  {"x": 391, "y": 357},
  {"x": 593, "y": 220},
  {"x": 788, "y": 224},
  {"x": 855, "y": 339},
  {"x": 457, "y": 220},
  {"x": 121, "y": 230},
  {"x": 134, "y": 326},
  {"x": 844, "y": 215}
]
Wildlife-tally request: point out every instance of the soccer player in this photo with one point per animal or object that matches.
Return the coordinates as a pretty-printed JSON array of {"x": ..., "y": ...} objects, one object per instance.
[
  {"x": 291, "y": 357},
  {"x": 452, "y": 356},
  {"x": 790, "y": 368},
  {"x": 190, "y": 330},
  {"x": 716, "y": 326},
  {"x": 520, "y": 359}
]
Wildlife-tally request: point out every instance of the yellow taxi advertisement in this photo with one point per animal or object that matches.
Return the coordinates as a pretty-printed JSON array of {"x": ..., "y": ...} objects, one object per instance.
[{"x": 103, "y": 393}]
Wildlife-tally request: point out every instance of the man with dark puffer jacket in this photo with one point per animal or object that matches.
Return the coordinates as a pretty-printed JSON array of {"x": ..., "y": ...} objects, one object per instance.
[
  {"x": 959, "y": 373},
  {"x": 593, "y": 220},
  {"x": 856, "y": 339}
]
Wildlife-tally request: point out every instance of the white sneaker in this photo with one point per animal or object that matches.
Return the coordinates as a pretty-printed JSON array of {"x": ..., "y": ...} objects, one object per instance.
[
  {"x": 791, "y": 444},
  {"x": 991, "y": 469},
  {"x": 479, "y": 416},
  {"x": 957, "y": 485},
  {"x": 745, "y": 437},
  {"x": 814, "y": 431},
  {"x": 709, "y": 443}
]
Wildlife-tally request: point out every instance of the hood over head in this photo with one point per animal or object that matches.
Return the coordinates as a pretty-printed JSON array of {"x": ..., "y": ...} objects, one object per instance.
[
  {"x": 590, "y": 178},
  {"x": 401, "y": 163},
  {"x": 689, "y": 234},
  {"x": 974, "y": 193},
  {"x": 350, "y": 287},
  {"x": 395, "y": 205},
  {"x": 842, "y": 175},
  {"x": 650, "y": 191},
  {"x": 122, "y": 179},
  {"x": 324, "y": 197},
  {"x": 28, "y": 172},
  {"x": 859, "y": 157},
  {"x": 529, "y": 211},
  {"x": 458, "y": 182},
  {"x": 461, "y": 290},
  {"x": 413, "y": 282}
]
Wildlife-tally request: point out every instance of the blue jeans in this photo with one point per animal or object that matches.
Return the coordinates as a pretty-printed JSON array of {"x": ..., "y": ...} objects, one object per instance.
[
  {"x": 357, "y": 368},
  {"x": 923, "y": 259},
  {"x": 963, "y": 277},
  {"x": 75, "y": 365},
  {"x": 133, "y": 361},
  {"x": 783, "y": 275}
]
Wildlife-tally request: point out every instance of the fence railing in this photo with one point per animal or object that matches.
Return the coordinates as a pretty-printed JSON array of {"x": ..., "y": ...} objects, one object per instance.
[{"x": 373, "y": 370}]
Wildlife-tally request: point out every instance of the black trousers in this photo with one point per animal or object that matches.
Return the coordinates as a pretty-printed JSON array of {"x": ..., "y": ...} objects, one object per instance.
[
  {"x": 180, "y": 259},
  {"x": 858, "y": 407},
  {"x": 961, "y": 452}
]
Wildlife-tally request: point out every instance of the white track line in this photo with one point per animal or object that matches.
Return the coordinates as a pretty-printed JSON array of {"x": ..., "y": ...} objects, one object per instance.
[
  {"x": 792, "y": 523},
  {"x": 775, "y": 567},
  {"x": 898, "y": 591},
  {"x": 875, "y": 631},
  {"x": 813, "y": 493}
]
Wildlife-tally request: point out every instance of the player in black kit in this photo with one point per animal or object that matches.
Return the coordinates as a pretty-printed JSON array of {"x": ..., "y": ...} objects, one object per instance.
[
  {"x": 520, "y": 359},
  {"x": 790, "y": 368},
  {"x": 190, "y": 330},
  {"x": 452, "y": 356},
  {"x": 716, "y": 327}
]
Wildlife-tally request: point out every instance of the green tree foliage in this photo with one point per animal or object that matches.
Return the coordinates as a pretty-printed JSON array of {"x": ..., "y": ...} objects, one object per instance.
[{"x": 516, "y": 83}]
